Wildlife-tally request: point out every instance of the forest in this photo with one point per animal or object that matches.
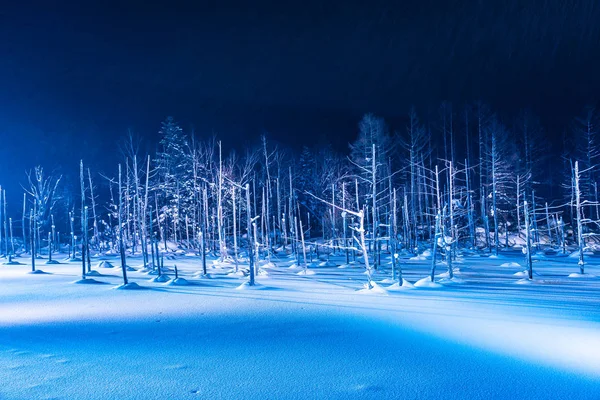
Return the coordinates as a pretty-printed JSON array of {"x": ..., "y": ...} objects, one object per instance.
[{"x": 466, "y": 182}]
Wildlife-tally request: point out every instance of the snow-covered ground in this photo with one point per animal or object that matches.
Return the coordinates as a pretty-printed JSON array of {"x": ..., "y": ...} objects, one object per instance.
[{"x": 302, "y": 336}]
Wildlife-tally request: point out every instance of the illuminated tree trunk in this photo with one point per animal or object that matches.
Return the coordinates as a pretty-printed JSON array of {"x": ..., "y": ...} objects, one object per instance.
[
  {"x": 494, "y": 189},
  {"x": 32, "y": 237},
  {"x": 302, "y": 240},
  {"x": 121, "y": 243},
  {"x": 528, "y": 242},
  {"x": 96, "y": 236},
  {"x": 374, "y": 205},
  {"x": 436, "y": 237},
  {"x": 12, "y": 240},
  {"x": 250, "y": 237},
  {"x": 469, "y": 206},
  {"x": 235, "y": 253},
  {"x": 5, "y": 223},
  {"x": 204, "y": 222},
  {"x": 23, "y": 222},
  {"x": 580, "y": 239},
  {"x": 518, "y": 206},
  {"x": 83, "y": 227}
]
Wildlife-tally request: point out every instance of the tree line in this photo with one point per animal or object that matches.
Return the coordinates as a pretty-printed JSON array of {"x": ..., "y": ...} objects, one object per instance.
[{"x": 466, "y": 180}]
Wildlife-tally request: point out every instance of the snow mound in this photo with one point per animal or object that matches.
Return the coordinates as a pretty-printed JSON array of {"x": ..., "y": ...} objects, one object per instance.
[
  {"x": 153, "y": 271},
  {"x": 240, "y": 273},
  {"x": 306, "y": 272},
  {"x": 418, "y": 258},
  {"x": 160, "y": 279},
  {"x": 178, "y": 282},
  {"x": 577, "y": 275},
  {"x": 575, "y": 254},
  {"x": 327, "y": 264},
  {"x": 446, "y": 274},
  {"x": 511, "y": 264},
  {"x": 247, "y": 286},
  {"x": 374, "y": 289},
  {"x": 37, "y": 272},
  {"x": 262, "y": 272},
  {"x": 221, "y": 264},
  {"x": 52, "y": 262},
  {"x": 268, "y": 265},
  {"x": 426, "y": 283},
  {"x": 524, "y": 281},
  {"x": 405, "y": 285},
  {"x": 451, "y": 281},
  {"x": 88, "y": 281},
  {"x": 13, "y": 263},
  {"x": 294, "y": 266},
  {"x": 105, "y": 264},
  {"x": 129, "y": 286},
  {"x": 522, "y": 274},
  {"x": 93, "y": 273}
]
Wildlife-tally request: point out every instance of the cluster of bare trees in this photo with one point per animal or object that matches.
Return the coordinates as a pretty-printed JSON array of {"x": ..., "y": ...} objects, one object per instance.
[{"x": 465, "y": 180}]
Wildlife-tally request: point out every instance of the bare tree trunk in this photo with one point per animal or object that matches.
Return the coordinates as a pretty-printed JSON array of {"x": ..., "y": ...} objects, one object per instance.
[
  {"x": 152, "y": 240},
  {"x": 250, "y": 237},
  {"x": 266, "y": 201},
  {"x": 580, "y": 239},
  {"x": 302, "y": 238},
  {"x": 204, "y": 230},
  {"x": 235, "y": 254},
  {"x": 363, "y": 246},
  {"x": 374, "y": 206},
  {"x": 397, "y": 268},
  {"x": 94, "y": 216},
  {"x": 518, "y": 206},
  {"x": 494, "y": 196},
  {"x": 83, "y": 224},
  {"x": 548, "y": 227},
  {"x": 121, "y": 244},
  {"x": 12, "y": 240},
  {"x": 344, "y": 214},
  {"x": 2, "y": 252},
  {"x": 453, "y": 234},
  {"x": 536, "y": 232},
  {"x": 435, "y": 243},
  {"x": 222, "y": 246},
  {"x": 23, "y": 222},
  {"x": 278, "y": 206},
  {"x": 528, "y": 241},
  {"x": 72, "y": 224},
  {"x": 5, "y": 223},
  {"x": 469, "y": 205},
  {"x": 32, "y": 237},
  {"x": 144, "y": 212}
]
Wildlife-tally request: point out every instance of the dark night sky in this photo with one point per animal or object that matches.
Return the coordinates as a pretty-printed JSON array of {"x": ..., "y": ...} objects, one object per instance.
[{"x": 76, "y": 77}]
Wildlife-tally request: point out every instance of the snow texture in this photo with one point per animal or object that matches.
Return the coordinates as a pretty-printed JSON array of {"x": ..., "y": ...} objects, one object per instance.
[{"x": 308, "y": 337}]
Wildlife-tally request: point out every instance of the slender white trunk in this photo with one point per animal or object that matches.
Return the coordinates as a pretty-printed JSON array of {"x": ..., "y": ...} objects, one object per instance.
[
  {"x": 121, "y": 243},
  {"x": 580, "y": 239},
  {"x": 235, "y": 257},
  {"x": 222, "y": 247}
]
